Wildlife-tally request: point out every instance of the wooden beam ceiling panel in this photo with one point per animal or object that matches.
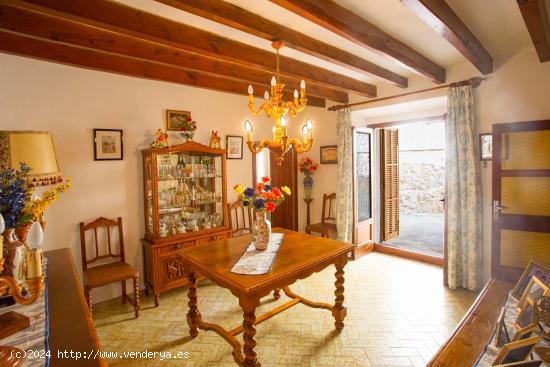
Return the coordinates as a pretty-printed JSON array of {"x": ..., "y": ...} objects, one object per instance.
[
  {"x": 33, "y": 22},
  {"x": 535, "y": 15},
  {"x": 134, "y": 22},
  {"x": 349, "y": 25},
  {"x": 233, "y": 16},
  {"x": 439, "y": 16},
  {"x": 96, "y": 60}
]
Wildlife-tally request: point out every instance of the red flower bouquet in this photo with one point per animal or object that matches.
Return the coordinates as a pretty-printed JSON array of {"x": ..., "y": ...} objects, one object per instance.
[{"x": 308, "y": 166}]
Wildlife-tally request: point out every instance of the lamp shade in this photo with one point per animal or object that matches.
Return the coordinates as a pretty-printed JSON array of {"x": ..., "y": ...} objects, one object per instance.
[{"x": 36, "y": 150}]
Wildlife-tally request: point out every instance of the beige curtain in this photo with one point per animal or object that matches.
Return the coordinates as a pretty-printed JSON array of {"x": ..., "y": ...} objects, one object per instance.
[
  {"x": 464, "y": 266},
  {"x": 344, "y": 198}
]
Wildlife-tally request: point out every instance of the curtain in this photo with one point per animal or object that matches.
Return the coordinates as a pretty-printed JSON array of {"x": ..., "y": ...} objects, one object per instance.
[
  {"x": 344, "y": 198},
  {"x": 464, "y": 246}
]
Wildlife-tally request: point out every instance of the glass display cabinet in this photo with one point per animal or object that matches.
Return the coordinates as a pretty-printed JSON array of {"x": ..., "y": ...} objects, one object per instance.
[{"x": 185, "y": 205}]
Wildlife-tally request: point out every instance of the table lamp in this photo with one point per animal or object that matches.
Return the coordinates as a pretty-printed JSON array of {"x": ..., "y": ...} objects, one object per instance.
[{"x": 36, "y": 150}]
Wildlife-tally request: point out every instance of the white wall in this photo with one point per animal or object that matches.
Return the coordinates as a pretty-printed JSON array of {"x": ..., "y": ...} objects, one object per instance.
[
  {"x": 70, "y": 102},
  {"x": 518, "y": 90}
]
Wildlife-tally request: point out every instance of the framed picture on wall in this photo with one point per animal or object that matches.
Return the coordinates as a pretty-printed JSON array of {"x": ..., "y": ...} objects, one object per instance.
[
  {"x": 234, "y": 147},
  {"x": 486, "y": 146},
  {"x": 329, "y": 154},
  {"x": 175, "y": 120},
  {"x": 108, "y": 145}
]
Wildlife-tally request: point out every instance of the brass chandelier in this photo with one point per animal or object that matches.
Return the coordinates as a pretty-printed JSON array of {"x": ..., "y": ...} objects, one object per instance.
[{"x": 276, "y": 108}]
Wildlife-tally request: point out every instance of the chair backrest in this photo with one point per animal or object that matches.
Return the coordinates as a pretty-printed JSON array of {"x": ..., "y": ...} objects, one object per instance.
[
  {"x": 243, "y": 218},
  {"x": 328, "y": 207},
  {"x": 99, "y": 223}
]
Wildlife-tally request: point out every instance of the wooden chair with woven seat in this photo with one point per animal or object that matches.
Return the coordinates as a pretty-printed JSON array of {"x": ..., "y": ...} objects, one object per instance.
[
  {"x": 110, "y": 272},
  {"x": 327, "y": 226},
  {"x": 244, "y": 213}
]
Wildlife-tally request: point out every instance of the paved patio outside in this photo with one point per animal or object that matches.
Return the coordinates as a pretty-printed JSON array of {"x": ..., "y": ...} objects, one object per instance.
[{"x": 421, "y": 233}]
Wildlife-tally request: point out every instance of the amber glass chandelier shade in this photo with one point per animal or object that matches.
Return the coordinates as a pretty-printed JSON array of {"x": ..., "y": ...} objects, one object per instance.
[{"x": 36, "y": 150}]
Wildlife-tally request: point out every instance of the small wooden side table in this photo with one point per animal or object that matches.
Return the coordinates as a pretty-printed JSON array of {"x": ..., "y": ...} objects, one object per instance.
[{"x": 308, "y": 212}]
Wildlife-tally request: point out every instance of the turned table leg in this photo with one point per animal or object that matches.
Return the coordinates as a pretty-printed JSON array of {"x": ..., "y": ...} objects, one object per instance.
[
  {"x": 193, "y": 315},
  {"x": 249, "y": 318},
  {"x": 339, "y": 311}
]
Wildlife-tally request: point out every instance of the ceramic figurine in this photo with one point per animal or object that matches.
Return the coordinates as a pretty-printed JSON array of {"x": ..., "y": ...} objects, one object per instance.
[
  {"x": 161, "y": 139},
  {"x": 163, "y": 230},
  {"x": 181, "y": 228},
  {"x": 215, "y": 140}
]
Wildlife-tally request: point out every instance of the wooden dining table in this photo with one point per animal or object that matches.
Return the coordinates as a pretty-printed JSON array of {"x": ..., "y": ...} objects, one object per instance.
[{"x": 299, "y": 256}]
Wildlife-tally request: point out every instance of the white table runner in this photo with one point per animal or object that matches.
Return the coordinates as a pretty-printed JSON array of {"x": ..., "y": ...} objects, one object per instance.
[{"x": 254, "y": 262}]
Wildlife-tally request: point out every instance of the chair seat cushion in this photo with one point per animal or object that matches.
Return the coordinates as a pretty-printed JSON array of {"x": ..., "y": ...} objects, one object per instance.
[
  {"x": 322, "y": 227},
  {"x": 108, "y": 273}
]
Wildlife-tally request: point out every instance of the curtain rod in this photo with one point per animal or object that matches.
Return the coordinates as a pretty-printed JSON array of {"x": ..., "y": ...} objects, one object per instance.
[{"x": 474, "y": 82}]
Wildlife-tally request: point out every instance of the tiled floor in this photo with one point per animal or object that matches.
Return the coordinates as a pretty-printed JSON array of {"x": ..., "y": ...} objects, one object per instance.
[{"x": 399, "y": 314}]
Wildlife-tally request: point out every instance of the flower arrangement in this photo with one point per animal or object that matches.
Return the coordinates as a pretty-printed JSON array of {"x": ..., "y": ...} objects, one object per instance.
[
  {"x": 187, "y": 131},
  {"x": 308, "y": 166},
  {"x": 13, "y": 193},
  {"x": 18, "y": 205},
  {"x": 265, "y": 198}
]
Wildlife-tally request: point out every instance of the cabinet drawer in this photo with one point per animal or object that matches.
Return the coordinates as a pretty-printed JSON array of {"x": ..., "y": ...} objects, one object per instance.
[
  {"x": 170, "y": 249},
  {"x": 205, "y": 240}
]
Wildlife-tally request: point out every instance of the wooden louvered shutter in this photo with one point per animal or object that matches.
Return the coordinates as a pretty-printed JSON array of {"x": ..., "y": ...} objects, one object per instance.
[{"x": 390, "y": 183}]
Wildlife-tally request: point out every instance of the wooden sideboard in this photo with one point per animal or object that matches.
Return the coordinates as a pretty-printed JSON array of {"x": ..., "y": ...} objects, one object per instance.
[
  {"x": 71, "y": 326},
  {"x": 475, "y": 329}
]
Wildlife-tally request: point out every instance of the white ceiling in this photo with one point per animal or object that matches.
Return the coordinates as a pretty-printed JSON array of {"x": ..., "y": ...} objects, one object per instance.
[{"x": 497, "y": 23}]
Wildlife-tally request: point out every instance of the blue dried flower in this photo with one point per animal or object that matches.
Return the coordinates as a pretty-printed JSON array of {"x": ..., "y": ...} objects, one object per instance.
[
  {"x": 246, "y": 203},
  {"x": 13, "y": 192},
  {"x": 259, "y": 204},
  {"x": 249, "y": 192},
  {"x": 268, "y": 188}
]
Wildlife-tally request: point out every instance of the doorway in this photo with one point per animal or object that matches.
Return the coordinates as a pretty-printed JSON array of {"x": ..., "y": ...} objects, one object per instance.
[
  {"x": 286, "y": 174},
  {"x": 412, "y": 167}
]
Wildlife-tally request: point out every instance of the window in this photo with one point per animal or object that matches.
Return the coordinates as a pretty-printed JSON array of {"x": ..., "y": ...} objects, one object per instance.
[{"x": 363, "y": 184}]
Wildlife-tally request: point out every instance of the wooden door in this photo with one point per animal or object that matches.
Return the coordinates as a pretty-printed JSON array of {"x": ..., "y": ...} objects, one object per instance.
[
  {"x": 390, "y": 183},
  {"x": 521, "y": 197},
  {"x": 286, "y": 215},
  {"x": 362, "y": 186}
]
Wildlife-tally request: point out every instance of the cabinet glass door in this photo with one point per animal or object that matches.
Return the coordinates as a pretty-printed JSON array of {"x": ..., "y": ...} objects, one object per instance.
[{"x": 190, "y": 192}]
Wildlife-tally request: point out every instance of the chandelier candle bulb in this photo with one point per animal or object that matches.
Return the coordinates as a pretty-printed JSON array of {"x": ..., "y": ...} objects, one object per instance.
[
  {"x": 295, "y": 94},
  {"x": 273, "y": 81},
  {"x": 250, "y": 89},
  {"x": 303, "y": 84},
  {"x": 248, "y": 128},
  {"x": 266, "y": 95}
]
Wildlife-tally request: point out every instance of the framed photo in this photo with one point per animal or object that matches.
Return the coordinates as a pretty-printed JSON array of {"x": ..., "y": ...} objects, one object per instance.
[
  {"x": 534, "y": 290},
  {"x": 526, "y": 316},
  {"x": 486, "y": 146},
  {"x": 533, "y": 269},
  {"x": 516, "y": 351},
  {"x": 501, "y": 337},
  {"x": 521, "y": 364},
  {"x": 234, "y": 147},
  {"x": 525, "y": 332},
  {"x": 108, "y": 145},
  {"x": 329, "y": 154},
  {"x": 176, "y": 119}
]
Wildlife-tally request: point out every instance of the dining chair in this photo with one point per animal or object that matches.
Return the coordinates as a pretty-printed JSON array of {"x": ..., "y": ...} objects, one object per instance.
[
  {"x": 327, "y": 226},
  {"x": 113, "y": 267},
  {"x": 243, "y": 218}
]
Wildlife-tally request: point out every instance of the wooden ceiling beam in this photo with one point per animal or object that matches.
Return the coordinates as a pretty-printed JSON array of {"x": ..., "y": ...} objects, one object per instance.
[
  {"x": 33, "y": 22},
  {"x": 21, "y": 45},
  {"x": 535, "y": 15},
  {"x": 439, "y": 16},
  {"x": 233, "y": 16},
  {"x": 137, "y": 23},
  {"x": 349, "y": 25}
]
